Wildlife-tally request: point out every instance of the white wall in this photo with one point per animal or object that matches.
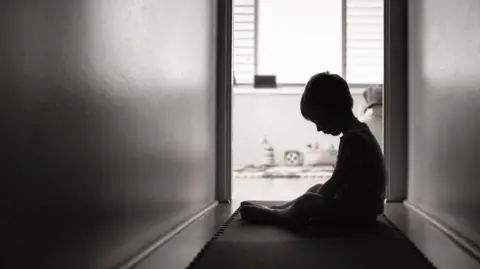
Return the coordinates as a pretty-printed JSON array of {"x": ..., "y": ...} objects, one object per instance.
[
  {"x": 293, "y": 32},
  {"x": 256, "y": 113},
  {"x": 444, "y": 113}
]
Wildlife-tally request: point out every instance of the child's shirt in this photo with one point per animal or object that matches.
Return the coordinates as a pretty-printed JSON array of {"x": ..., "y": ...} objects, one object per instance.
[{"x": 360, "y": 171}]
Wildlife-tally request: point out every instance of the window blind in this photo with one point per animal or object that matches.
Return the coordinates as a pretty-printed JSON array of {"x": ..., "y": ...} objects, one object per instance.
[
  {"x": 244, "y": 60},
  {"x": 298, "y": 38},
  {"x": 364, "y": 41}
]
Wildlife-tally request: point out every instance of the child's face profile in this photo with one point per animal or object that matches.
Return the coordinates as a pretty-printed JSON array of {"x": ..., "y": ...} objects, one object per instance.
[
  {"x": 325, "y": 121},
  {"x": 327, "y": 103}
]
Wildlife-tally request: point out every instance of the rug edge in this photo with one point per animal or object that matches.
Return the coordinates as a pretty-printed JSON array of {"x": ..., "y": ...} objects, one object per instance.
[{"x": 207, "y": 245}]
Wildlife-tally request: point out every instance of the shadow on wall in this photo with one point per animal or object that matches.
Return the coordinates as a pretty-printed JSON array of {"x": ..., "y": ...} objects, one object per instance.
[
  {"x": 99, "y": 154},
  {"x": 444, "y": 98}
]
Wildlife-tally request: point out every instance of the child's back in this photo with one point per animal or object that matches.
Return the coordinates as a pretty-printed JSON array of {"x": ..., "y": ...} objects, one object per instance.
[{"x": 361, "y": 170}]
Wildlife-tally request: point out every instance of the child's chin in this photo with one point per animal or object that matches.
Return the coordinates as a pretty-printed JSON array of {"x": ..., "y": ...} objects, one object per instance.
[{"x": 332, "y": 133}]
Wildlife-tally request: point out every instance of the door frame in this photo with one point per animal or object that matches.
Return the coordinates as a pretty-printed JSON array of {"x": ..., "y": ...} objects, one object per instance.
[
  {"x": 224, "y": 83},
  {"x": 395, "y": 99}
]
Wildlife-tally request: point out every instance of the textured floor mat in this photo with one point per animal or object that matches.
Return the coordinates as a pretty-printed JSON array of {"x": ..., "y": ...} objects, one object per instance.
[{"x": 238, "y": 245}]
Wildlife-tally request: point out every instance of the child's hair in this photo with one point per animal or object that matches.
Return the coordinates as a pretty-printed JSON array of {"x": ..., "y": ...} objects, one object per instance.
[{"x": 326, "y": 90}]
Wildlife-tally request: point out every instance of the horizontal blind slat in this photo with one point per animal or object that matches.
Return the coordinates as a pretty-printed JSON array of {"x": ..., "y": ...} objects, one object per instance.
[
  {"x": 364, "y": 41},
  {"x": 244, "y": 41}
]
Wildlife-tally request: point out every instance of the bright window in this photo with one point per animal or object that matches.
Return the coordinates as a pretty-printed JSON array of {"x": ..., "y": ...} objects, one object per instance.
[{"x": 294, "y": 39}]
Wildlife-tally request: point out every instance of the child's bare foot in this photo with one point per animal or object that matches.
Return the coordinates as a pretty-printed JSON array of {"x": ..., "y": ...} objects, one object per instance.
[
  {"x": 256, "y": 214},
  {"x": 244, "y": 203}
]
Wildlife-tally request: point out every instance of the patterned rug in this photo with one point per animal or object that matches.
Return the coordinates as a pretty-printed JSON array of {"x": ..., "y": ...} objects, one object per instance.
[{"x": 252, "y": 171}]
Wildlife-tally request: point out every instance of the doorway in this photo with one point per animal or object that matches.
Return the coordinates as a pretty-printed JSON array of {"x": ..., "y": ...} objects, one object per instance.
[
  {"x": 276, "y": 154},
  {"x": 241, "y": 28}
]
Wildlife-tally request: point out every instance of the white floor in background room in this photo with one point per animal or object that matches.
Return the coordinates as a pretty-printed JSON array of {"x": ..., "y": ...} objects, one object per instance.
[{"x": 271, "y": 189}]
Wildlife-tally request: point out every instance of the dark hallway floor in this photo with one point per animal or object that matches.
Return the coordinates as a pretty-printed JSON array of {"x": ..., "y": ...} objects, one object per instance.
[{"x": 436, "y": 246}]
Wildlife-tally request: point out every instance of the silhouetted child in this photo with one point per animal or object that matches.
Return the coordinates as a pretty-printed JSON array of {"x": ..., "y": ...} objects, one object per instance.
[{"x": 354, "y": 194}]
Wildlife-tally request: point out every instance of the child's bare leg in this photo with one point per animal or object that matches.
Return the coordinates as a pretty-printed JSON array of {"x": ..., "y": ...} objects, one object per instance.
[
  {"x": 313, "y": 189},
  {"x": 246, "y": 203},
  {"x": 296, "y": 214},
  {"x": 304, "y": 208}
]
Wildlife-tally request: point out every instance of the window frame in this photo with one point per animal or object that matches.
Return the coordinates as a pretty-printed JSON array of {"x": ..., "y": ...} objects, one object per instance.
[
  {"x": 283, "y": 85},
  {"x": 395, "y": 100}
]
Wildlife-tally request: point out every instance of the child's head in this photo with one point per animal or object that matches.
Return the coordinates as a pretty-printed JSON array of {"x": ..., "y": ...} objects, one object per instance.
[{"x": 327, "y": 103}]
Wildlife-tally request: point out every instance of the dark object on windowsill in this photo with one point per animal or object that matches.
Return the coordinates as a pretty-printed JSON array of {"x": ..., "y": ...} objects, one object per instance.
[{"x": 265, "y": 81}]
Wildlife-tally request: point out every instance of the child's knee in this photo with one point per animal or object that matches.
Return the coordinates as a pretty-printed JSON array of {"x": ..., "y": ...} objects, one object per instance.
[
  {"x": 311, "y": 201},
  {"x": 315, "y": 188}
]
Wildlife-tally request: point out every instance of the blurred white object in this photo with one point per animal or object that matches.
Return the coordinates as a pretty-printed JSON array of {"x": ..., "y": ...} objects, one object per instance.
[
  {"x": 316, "y": 156},
  {"x": 293, "y": 158},
  {"x": 373, "y": 117},
  {"x": 268, "y": 152},
  {"x": 373, "y": 112}
]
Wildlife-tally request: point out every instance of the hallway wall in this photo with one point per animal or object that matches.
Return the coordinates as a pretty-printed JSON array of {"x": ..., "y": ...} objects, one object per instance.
[
  {"x": 444, "y": 112},
  {"x": 107, "y": 118}
]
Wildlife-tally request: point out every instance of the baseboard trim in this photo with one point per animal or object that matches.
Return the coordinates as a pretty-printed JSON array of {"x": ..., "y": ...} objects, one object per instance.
[
  {"x": 225, "y": 202},
  {"x": 135, "y": 260},
  {"x": 467, "y": 246},
  {"x": 391, "y": 201}
]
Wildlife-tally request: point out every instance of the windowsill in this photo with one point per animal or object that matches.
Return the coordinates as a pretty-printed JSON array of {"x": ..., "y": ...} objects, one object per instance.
[
  {"x": 268, "y": 91},
  {"x": 291, "y": 90}
]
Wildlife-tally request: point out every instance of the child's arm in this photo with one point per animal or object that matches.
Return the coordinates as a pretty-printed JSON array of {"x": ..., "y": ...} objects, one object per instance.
[
  {"x": 350, "y": 157},
  {"x": 330, "y": 188}
]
